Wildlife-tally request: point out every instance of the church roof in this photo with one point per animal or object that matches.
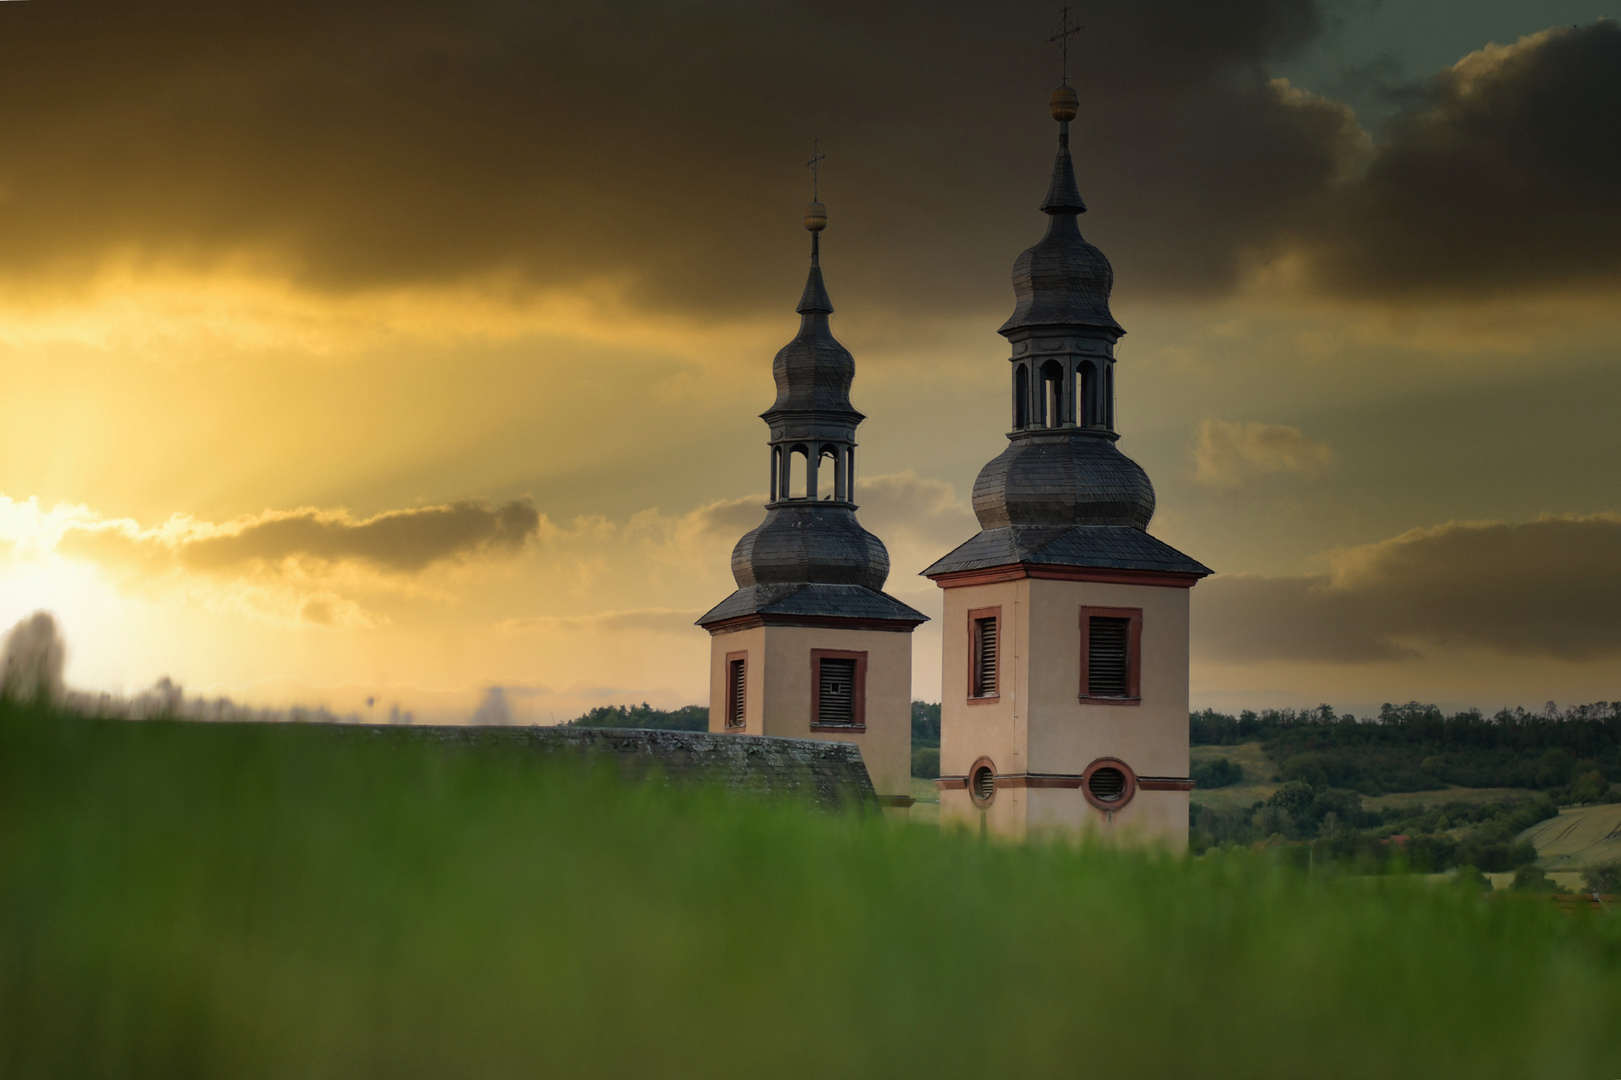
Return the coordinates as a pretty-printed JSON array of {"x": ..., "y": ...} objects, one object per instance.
[
  {"x": 1112, "y": 547},
  {"x": 813, "y": 600},
  {"x": 830, "y": 775}
]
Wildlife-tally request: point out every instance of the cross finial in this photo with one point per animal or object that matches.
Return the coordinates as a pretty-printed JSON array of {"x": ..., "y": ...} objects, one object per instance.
[
  {"x": 1065, "y": 31},
  {"x": 815, "y": 166}
]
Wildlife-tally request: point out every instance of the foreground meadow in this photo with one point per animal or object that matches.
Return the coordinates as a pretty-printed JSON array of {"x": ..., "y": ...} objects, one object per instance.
[{"x": 193, "y": 900}]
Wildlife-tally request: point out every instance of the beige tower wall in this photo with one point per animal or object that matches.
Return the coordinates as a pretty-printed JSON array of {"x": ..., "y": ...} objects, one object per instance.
[
  {"x": 1041, "y": 726},
  {"x": 1067, "y": 734},
  {"x": 996, "y": 729},
  {"x": 777, "y": 695}
]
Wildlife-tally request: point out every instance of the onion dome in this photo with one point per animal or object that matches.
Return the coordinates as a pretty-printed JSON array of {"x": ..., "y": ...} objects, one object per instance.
[
  {"x": 810, "y": 543},
  {"x": 1063, "y": 480},
  {"x": 1062, "y": 280}
]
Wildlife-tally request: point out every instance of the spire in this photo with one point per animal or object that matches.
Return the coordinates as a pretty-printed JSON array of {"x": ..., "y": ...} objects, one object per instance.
[
  {"x": 1063, "y": 196},
  {"x": 814, "y": 300}
]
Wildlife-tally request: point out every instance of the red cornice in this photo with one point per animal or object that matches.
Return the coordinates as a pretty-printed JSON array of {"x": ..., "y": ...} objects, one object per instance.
[
  {"x": 1164, "y": 783},
  {"x": 1063, "y": 780},
  {"x": 1015, "y": 571},
  {"x": 833, "y": 622}
]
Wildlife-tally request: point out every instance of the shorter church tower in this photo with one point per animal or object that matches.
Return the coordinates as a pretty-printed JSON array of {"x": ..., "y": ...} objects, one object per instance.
[
  {"x": 1064, "y": 707},
  {"x": 809, "y": 646}
]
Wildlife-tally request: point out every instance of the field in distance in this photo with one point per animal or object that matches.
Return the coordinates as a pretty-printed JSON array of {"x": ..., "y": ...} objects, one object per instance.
[
  {"x": 1258, "y": 785},
  {"x": 1580, "y": 836}
]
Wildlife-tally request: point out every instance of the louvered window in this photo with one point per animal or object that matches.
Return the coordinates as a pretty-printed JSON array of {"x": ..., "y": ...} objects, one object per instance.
[
  {"x": 1108, "y": 668},
  {"x": 836, "y": 699},
  {"x": 1107, "y": 784},
  {"x": 736, "y": 676},
  {"x": 984, "y": 657}
]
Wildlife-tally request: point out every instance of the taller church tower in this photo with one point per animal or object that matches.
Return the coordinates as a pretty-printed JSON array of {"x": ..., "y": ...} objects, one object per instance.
[
  {"x": 809, "y": 646},
  {"x": 1065, "y": 697}
]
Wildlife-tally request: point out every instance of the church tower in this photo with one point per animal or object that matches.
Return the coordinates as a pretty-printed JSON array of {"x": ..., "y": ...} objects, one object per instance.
[
  {"x": 1065, "y": 697},
  {"x": 809, "y": 646}
]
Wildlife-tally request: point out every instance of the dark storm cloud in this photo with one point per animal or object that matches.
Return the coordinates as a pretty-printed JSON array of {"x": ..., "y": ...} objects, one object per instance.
[
  {"x": 369, "y": 144},
  {"x": 399, "y": 541},
  {"x": 1504, "y": 173},
  {"x": 1550, "y": 587}
]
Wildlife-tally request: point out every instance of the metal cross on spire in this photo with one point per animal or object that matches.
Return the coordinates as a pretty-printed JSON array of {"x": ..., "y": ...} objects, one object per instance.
[
  {"x": 815, "y": 166},
  {"x": 1065, "y": 31}
]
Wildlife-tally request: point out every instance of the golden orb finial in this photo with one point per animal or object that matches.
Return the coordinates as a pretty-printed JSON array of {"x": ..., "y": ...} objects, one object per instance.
[
  {"x": 1065, "y": 103},
  {"x": 815, "y": 217}
]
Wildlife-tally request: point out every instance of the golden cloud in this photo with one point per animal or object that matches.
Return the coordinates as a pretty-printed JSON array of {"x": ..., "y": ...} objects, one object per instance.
[{"x": 1227, "y": 454}]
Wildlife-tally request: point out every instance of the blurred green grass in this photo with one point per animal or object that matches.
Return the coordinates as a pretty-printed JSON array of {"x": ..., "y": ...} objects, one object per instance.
[{"x": 191, "y": 900}]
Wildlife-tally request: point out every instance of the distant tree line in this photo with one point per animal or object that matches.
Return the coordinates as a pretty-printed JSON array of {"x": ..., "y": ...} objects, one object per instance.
[
  {"x": 1574, "y": 754},
  {"x": 686, "y": 718}
]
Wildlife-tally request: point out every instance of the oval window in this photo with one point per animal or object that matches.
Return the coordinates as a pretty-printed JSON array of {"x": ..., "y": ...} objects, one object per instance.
[{"x": 983, "y": 785}]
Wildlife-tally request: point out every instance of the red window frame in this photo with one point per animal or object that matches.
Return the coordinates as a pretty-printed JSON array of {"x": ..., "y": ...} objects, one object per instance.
[
  {"x": 737, "y": 717},
  {"x": 858, "y": 707},
  {"x": 974, "y": 616},
  {"x": 1134, "y": 654}
]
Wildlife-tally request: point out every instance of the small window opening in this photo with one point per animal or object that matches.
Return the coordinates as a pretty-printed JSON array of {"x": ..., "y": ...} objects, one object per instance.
[
  {"x": 1107, "y": 784},
  {"x": 982, "y": 785},
  {"x": 836, "y": 700},
  {"x": 1108, "y": 663},
  {"x": 736, "y": 684},
  {"x": 984, "y": 674},
  {"x": 1021, "y": 396}
]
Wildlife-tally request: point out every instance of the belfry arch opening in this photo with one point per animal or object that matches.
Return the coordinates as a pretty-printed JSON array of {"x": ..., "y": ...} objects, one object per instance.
[
  {"x": 1021, "y": 396},
  {"x": 1052, "y": 395},
  {"x": 830, "y": 474},
  {"x": 1086, "y": 392},
  {"x": 796, "y": 484}
]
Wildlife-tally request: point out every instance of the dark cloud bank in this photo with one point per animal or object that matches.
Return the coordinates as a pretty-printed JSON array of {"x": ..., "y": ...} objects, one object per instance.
[
  {"x": 1548, "y": 588},
  {"x": 372, "y": 144},
  {"x": 397, "y": 541}
]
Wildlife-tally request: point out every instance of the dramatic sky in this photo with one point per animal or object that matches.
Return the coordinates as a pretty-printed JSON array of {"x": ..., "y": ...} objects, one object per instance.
[{"x": 405, "y": 350}]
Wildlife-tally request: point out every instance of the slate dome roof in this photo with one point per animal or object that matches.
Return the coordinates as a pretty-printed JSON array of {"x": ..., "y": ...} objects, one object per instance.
[{"x": 1063, "y": 479}]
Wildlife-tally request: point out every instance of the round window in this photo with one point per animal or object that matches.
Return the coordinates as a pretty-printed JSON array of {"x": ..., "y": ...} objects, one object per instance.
[
  {"x": 1107, "y": 784},
  {"x": 982, "y": 785}
]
